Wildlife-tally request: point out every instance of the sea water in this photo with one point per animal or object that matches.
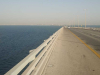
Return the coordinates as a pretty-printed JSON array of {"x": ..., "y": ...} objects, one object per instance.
[{"x": 17, "y": 40}]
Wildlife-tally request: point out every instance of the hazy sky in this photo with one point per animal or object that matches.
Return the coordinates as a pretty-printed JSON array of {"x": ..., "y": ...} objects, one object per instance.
[{"x": 48, "y": 12}]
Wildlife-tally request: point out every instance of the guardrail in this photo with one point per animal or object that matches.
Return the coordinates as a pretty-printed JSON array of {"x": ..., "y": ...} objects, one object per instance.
[{"x": 31, "y": 58}]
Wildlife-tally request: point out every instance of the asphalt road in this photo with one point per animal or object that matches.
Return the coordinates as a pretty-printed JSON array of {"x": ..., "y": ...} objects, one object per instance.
[{"x": 90, "y": 37}]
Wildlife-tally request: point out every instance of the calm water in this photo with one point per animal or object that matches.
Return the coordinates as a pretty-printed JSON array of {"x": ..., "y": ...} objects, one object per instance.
[{"x": 16, "y": 41}]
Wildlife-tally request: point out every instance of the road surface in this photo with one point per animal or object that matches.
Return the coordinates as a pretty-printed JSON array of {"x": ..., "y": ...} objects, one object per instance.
[
  {"x": 69, "y": 56},
  {"x": 90, "y": 37}
]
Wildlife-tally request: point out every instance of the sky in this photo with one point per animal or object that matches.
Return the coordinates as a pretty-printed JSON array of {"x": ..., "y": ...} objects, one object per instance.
[{"x": 49, "y": 12}]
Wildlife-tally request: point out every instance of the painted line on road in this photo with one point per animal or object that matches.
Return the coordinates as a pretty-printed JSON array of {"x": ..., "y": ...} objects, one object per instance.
[{"x": 86, "y": 45}]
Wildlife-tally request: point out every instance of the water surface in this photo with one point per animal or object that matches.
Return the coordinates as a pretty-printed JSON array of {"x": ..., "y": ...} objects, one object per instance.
[{"x": 16, "y": 41}]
